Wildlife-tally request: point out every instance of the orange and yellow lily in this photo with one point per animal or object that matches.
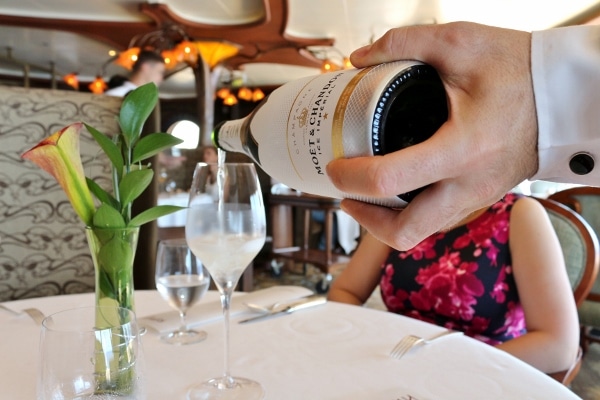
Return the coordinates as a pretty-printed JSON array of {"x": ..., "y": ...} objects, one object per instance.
[{"x": 59, "y": 156}]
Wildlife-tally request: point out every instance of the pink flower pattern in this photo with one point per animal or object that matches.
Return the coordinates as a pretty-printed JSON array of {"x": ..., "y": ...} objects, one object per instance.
[{"x": 460, "y": 279}]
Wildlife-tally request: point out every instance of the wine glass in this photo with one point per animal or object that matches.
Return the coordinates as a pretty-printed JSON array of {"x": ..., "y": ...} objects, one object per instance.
[
  {"x": 226, "y": 229},
  {"x": 182, "y": 280}
]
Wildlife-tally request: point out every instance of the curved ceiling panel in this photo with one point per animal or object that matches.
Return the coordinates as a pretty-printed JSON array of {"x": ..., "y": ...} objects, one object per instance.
[
  {"x": 274, "y": 35},
  {"x": 219, "y": 12}
]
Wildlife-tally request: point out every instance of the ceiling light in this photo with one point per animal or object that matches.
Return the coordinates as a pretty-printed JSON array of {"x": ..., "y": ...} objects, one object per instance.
[
  {"x": 223, "y": 93},
  {"x": 230, "y": 100},
  {"x": 245, "y": 94},
  {"x": 127, "y": 58},
  {"x": 214, "y": 53},
  {"x": 257, "y": 95},
  {"x": 98, "y": 86},
  {"x": 346, "y": 64},
  {"x": 328, "y": 66},
  {"x": 72, "y": 80}
]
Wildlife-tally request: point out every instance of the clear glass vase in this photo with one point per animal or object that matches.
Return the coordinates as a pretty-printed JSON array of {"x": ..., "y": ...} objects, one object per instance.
[{"x": 113, "y": 252}]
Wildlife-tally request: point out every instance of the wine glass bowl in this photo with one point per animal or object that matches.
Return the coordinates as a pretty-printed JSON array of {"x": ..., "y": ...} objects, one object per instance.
[
  {"x": 181, "y": 280},
  {"x": 226, "y": 228}
]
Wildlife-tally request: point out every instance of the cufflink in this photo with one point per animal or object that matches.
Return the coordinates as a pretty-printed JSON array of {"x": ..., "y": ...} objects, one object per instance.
[{"x": 581, "y": 163}]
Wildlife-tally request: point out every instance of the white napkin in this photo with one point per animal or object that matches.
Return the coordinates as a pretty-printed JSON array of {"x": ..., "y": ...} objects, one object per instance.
[{"x": 211, "y": 311}]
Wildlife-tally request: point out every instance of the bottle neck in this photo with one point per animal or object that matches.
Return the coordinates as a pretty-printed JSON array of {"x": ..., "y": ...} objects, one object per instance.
[{"x": 236, "y": 136}]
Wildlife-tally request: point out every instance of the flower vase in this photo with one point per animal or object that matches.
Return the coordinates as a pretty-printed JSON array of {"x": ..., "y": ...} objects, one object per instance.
[{"x": 113, "y": 252}]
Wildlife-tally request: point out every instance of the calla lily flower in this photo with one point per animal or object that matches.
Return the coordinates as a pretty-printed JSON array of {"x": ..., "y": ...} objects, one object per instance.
[{"x": 59, "y": 156}]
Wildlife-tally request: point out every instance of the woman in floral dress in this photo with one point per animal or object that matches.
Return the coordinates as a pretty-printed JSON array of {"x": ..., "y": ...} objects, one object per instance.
[{"x": 499, "y": 276}]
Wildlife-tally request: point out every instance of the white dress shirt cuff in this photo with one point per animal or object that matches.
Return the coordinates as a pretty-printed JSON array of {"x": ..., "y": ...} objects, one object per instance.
[{"x": 565, "y": 66}]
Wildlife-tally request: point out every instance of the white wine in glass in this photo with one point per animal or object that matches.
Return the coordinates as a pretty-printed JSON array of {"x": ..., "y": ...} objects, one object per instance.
[
  {"x": 226, "y": 228},
  {"x": 181, "y": 280}
]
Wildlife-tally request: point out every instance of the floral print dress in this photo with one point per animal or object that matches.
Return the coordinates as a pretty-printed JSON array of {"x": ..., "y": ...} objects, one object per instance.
[{"x": 461, "y": 279}]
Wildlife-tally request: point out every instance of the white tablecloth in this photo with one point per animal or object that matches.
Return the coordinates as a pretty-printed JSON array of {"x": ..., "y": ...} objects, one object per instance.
[{"x": 333, "y": 351}]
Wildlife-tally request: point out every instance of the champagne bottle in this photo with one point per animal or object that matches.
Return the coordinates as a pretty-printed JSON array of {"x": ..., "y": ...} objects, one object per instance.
[{"x": 304, "y": 124}]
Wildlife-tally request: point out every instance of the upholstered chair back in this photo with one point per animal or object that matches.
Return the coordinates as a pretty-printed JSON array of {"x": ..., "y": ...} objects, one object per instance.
[{"x": 43, "y": 250}]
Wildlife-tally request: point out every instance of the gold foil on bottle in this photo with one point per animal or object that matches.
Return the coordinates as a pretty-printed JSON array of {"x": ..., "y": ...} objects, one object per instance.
[{"x": 337, "y": 134}]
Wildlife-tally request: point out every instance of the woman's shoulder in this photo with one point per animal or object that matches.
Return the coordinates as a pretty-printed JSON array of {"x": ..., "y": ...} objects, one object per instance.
[{"x": 528, "y": 210}]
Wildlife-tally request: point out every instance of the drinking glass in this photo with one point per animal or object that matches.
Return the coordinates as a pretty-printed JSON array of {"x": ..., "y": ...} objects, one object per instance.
[
  {"x": 91, "y": 353},
  {"x": 181, "y": 280},
  {"x": 226, "y": 229}
]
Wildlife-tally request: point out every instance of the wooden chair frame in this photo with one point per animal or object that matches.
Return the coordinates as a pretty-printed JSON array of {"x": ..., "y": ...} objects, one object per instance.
[
  {"x": 569, "y": 197},
  {"x": 582, "y": 289}
]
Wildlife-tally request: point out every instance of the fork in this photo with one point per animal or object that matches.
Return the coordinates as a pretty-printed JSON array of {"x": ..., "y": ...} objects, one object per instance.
[
  {"x": 408, "y": 342},
  {"x": 34, "y": 313}
]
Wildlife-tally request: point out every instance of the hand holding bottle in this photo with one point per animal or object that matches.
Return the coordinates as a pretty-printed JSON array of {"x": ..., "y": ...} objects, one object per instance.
[{"x": 487, "y": 146}]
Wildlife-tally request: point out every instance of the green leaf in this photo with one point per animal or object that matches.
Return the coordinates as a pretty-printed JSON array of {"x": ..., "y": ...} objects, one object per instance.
[
  {"x": 153, "y": 144},
  {"x": 109, "y": 148},
  {"x": 153, "y": 213},
  {"x": 135, "y": 110},
  {"x": 133, "y": 184},
  {"x": 114, "y": 255},
  {"x": 108, "y": 217},
  {"x": 106, "y": 285},
  {"x": 102, "y": 194}
]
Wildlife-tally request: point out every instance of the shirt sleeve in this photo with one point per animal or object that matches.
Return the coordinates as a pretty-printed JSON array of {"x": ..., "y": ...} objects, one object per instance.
[{"x": 565, "y": 66}]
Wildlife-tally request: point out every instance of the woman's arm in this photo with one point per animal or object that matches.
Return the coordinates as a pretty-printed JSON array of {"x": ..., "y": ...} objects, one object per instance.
[
  {"x": 552, "y": 337},
  {"x": 361, "y": 276}
]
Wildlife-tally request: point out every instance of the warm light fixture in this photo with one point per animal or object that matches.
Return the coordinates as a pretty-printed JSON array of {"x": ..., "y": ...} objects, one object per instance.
[
  {"x": 171, "y": 58},
  {"x": 215, "y": 52},
  {"x": 332, "y": 58},
  {"x": 328, "y": 66},
  {"x": 187, "y": 51},
  {"x": 72, "y": 80},
  {"x": 245, "y": 94},
  {"x": 230, "y": 100},
  {"x": 346, "y": 64},
  {"x": 127, "y": 58},
  {"x": 223, "y": 93},
  {"x": 257, "y": 95},
  {"x": 98, "y": 86}
]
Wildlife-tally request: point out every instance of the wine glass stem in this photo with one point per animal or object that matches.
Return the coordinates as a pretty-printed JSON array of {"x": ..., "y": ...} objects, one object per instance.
[
  {"x": 183, "y": 327},
  {"x": 226, "y": 303}
]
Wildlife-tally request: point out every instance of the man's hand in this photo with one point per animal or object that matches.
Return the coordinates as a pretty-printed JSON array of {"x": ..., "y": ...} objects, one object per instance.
[{"x": 487, "y": 146}]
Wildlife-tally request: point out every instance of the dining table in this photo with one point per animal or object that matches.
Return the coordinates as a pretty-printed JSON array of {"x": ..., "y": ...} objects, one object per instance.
[{"x": 331, "y": 351}]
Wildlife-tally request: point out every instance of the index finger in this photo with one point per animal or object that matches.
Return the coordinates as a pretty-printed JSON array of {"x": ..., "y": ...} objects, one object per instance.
[
  {"x": 431, "y": 44},
  {"x": 395, "y": 173}
]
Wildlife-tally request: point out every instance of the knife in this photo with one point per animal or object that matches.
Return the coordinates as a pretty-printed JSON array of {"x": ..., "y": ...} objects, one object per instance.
[{"x": 304, "y": 302}]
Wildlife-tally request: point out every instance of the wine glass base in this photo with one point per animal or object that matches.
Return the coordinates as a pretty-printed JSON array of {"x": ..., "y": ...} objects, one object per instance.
[
  {"x": 227, "y": 389},
  {"x": 184, "y": 337}
]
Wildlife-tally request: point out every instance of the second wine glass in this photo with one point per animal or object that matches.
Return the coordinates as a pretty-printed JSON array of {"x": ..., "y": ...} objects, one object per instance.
[
  {"x": 182, "y": 280},
  {"x": 226, "y": 229}
]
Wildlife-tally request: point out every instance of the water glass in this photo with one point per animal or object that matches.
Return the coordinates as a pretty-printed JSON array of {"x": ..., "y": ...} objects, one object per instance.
[{"x": 91, "y": 353}]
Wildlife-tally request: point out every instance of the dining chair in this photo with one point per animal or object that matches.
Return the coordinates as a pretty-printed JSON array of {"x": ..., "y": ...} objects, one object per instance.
[
  {"x": 43, "y": 250},
  {"x": 581, "y": 251},
  {"x": 585, "y": 200}
]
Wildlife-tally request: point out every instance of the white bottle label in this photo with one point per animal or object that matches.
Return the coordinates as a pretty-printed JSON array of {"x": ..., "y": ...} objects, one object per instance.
[{"x": 307, "y": 123}]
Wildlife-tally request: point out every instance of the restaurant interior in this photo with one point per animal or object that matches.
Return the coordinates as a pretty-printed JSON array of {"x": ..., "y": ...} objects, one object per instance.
[{"x": 222, "y": 57}]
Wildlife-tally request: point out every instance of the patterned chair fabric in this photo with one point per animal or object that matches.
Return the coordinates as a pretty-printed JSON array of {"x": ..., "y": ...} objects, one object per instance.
[
  {"x": 579, "y": 245},
  {"x": 43, "y": 249},
  {"x": 581, "y": 252},
  {"x": 586, "y": 201}
]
